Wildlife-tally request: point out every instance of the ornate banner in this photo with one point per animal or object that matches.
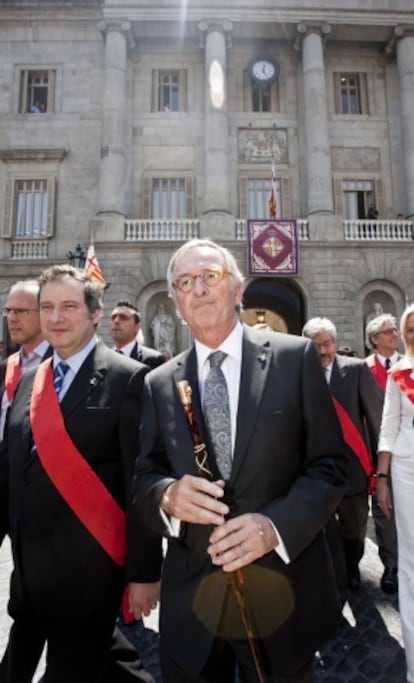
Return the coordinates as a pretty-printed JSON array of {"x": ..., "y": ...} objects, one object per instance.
[{"x": 272, "y": 247}]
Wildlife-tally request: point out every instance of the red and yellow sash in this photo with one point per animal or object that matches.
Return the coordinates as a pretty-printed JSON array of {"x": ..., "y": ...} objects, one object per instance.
[
  {"x": 403, "y": 377},
  {"x": 356, "y": 443},
  {"x": 12, "y": 375}
]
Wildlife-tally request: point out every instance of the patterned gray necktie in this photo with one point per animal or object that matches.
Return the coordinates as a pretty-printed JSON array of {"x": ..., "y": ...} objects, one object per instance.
[{"x": 217, "y": 413}]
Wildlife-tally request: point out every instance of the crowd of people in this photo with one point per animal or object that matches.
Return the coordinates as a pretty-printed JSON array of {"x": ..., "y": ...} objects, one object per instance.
[{"x": 230, "y": 484}]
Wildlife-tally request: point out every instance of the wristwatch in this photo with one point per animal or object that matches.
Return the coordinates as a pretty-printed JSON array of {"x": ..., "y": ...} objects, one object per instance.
[{"x": 381, "y": 475}]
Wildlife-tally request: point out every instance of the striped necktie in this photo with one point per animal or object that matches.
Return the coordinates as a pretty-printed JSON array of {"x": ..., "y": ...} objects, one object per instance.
[{"x": 58, "y": 376}]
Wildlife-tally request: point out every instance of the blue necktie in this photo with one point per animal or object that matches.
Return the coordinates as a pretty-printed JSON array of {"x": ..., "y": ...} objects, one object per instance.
[
  {"x": 58, "y": 376},
  {"x": 217, "y": 413}
]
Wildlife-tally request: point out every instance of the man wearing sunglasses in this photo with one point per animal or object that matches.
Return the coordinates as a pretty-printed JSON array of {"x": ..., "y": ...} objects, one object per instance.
[
  {"x": 381, "y": 335},
  {"x": 248, "y": 517}
]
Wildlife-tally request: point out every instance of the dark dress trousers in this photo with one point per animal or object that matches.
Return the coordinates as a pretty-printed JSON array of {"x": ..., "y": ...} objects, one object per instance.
[
  {"x": 63, "y": 579},
  {"x": 288, "y": 464},
  {"x": 355, "y": 389}
]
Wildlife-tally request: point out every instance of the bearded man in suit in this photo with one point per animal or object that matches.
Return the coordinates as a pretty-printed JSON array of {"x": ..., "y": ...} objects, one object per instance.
[
  {"x": 65, "y": 467},
  {"x": 270, "y": 494}
]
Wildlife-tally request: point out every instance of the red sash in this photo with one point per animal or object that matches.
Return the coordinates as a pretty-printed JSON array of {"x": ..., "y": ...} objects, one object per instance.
[
  {"x": 402, "y": 377},
  {"x": 378, "y": 371},
  {"x": 13, "y": 374},
  {"x": 75, "y": 480},
  {"x": 354, "y": 440}
]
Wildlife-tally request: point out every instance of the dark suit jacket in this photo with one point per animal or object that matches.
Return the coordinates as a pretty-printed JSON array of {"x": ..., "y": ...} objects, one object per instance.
[
  {"x": 289, "y": 464},
  {"x": 146, "y": 355},
  {"x": 58, "y": 564},
  {"x": 353, "y": 385}
]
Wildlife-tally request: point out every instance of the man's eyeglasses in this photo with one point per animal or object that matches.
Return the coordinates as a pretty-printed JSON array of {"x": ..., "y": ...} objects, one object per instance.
[
  {"x": 209, "y": 276},
  {"x": 389, "y": 331},
  {"x": 18, "y": 312}
]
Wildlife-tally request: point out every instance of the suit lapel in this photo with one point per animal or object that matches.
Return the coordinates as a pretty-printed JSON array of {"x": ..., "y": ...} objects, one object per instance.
[
  {"x": 87, "y": 380},
  {"x": 256, "y": 360}
]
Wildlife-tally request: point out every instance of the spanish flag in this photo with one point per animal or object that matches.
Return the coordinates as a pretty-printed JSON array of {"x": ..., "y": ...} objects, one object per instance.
[
  {"x": 92, "y": 266},
  {"x": 272, "y": 198}
]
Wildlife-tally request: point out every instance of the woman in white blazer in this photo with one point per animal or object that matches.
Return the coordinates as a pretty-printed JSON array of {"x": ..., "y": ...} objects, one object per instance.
[{"x": 396, "y": 456}]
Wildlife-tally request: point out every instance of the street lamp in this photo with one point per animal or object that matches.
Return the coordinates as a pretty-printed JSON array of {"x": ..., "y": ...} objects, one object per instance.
[{"x": 77, "y": 257}]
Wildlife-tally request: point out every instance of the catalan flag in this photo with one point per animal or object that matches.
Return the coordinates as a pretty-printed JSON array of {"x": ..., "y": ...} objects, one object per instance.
[
  {"x": 272, "y": 198},
  {"x": 92, "y": 266}
]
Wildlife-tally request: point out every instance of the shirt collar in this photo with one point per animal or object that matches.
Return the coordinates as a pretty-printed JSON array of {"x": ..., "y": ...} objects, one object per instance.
[
  {"x": 232, "y": 346},
  {"x": 395, "y": 356},
  {"x": 77, "y": 359},
  {"x": 127, "y": 349},
  {"x": 39, "y": 351}
]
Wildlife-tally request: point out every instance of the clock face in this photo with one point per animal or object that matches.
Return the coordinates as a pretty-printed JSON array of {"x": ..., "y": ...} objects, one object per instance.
[{"x": 263, "y": 70}]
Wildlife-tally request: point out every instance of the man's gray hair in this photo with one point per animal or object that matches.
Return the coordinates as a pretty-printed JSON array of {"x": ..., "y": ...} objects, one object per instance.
[
  {"x": 316, "y": 325},
  {"x": 228, "y": 258},
  {"x": 28, "y": 286},
  {"x": 374, "y": 326}
]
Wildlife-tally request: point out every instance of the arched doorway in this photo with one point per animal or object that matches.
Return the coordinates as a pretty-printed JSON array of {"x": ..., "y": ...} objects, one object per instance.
[{"x": 277, "y": 302}]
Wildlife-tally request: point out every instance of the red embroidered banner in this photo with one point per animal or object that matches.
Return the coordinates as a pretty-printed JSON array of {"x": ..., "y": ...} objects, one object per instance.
[{"x": 272, "y": 247}]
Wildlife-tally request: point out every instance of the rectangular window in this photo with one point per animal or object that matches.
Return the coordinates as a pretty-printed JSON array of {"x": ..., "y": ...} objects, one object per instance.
[
  {"x": 258, "y": 196},
  {"x": 37, "y": 91},
  {"x": 31, "y": 209},
  {"x": 260, "y": 98},
  {"x": 169, "y": 198},
  {"x": 358, "y": 199},
  {"x": 351, "y": 93},
  {"x": 168, "y": 91}
]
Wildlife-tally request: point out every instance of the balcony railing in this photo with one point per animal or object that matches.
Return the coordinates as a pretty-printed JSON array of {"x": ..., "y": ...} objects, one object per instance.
[
  {"x": 29, "y": 250},
  {"x": 159, "y": 230},
  {"x": 152, "y": 229},
  {"x": 378, "y": 231}
]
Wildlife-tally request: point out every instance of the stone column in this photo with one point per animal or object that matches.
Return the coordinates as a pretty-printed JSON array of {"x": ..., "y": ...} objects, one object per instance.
[
  {"x": 318, "y": 155},
  {"x": 216, "y": 212},
  {"x": 405, "y": 61},
  {"x": 112, "y": 181}
]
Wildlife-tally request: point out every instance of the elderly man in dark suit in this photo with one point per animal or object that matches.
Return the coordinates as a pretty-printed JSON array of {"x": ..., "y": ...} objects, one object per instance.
[
  {"x": 277, "y": 473},
  {"x": 125, "y": 325},
  {"x": 65, "y": 467},
  {"x": 358, "y": 403}
]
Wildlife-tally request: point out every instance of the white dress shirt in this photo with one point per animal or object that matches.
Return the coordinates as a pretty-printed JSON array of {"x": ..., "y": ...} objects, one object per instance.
[{"x": 74, "y": 363}]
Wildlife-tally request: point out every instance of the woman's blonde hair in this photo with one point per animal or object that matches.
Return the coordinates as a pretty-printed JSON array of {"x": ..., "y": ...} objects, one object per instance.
[{"x": 403, "y": 324}]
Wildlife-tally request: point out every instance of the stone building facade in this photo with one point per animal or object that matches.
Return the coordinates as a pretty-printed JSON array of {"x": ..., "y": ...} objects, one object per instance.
[{"x": 138, "y": 126}]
